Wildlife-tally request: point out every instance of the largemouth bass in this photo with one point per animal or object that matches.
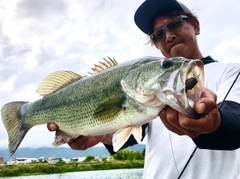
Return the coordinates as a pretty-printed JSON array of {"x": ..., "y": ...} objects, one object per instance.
[{"x": 118, "y": 99}]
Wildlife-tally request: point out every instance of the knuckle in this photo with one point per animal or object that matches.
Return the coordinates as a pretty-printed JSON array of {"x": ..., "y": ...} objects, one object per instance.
[
  {"x": 192, "y": 134},
  {"x": 180, "y": 133},
  {"x": 171, "y": 118},
  {"x": 184, "y": 123}
]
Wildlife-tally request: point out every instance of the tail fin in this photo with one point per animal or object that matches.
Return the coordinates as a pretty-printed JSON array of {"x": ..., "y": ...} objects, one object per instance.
[{"x": 13, "y": 124}]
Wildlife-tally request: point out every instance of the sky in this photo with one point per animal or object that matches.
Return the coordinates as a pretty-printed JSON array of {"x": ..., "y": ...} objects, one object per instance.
[{"x": 41, "y": 37}]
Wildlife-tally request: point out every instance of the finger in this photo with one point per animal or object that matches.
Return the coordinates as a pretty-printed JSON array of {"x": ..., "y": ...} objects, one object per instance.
[
  {"x": 164, "y": 117},
  {"x": 172, "y": 117},
  {"x": 52, "y": 127},
  {"x": 181, "y": 128},
  {"x": 179, "y": 123},
  {"x": 172, "y": 128},
  {"x": 206, "y": 103},
  {"x": 206, "y": 124},
  {"x": 191, "y": 124}
]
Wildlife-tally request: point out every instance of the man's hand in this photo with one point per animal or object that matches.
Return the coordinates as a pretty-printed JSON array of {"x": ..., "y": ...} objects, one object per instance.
[
  {"x": 84, "y": 142},
  {"x": 185, "y": 125}
]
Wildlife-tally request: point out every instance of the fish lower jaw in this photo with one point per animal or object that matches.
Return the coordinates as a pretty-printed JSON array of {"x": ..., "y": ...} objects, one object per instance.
[{"x": 185, "y": 100}]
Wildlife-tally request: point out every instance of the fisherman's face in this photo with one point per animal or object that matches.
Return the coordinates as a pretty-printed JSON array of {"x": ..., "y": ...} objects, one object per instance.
[{"x": 182, "y": 43}]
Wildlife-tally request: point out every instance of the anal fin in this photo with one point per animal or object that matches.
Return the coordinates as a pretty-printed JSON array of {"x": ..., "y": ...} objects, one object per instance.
[{"x": 62, "y": 138}]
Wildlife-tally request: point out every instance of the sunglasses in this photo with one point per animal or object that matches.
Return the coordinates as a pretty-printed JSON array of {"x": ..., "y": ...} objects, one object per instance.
[{"x": 173, "y": 26}]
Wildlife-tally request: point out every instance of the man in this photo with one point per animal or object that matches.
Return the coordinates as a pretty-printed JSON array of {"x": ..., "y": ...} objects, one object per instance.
[{"x": 173, "y": 29}]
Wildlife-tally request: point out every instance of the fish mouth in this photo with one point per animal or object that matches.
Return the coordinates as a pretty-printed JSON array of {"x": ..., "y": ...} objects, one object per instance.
[
  {"x": 188, "y": 92},
  {"x": 194, "y": 83},
  {"x": 186, "y": 88}
]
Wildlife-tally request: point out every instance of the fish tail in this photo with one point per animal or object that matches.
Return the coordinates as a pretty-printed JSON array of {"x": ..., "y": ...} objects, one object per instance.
[{"x": 13, "y": 124}]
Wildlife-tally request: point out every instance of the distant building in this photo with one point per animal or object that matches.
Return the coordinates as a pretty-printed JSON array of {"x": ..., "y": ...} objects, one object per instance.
[
  {"x": 77, "y": 159},
  {"x": 43, "y": 159},
  {"x": 32, "y": 160},
  {"x": 20, "y": 160},
  {"x": 11, "y": 162},
  {"x": 1, "y": 160},
  {"x": 56, "y": 159}
]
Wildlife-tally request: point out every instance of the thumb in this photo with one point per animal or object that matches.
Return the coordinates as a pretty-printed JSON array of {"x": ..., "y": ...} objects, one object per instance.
[{"x": 200, "y": 108}]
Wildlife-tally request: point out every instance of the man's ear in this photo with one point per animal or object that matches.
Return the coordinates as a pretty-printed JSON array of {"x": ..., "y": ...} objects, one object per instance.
[{"x": 196, "y": 25}]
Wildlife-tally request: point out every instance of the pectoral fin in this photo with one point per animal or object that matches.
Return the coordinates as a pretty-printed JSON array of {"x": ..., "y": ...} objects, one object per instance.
[
  {"x": 121, "y": 136},
  {"x": 109, "y": 110},
  {"x": 137, "y": 133}
]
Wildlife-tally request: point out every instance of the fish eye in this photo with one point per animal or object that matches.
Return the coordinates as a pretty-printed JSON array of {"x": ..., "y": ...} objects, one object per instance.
[{"x": 167, "y": 63}]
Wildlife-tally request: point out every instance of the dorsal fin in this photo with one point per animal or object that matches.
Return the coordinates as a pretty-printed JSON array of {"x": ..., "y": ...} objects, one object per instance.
[
  {"x": 101, "y": 66},
  {"x": 56, "y": 81}
]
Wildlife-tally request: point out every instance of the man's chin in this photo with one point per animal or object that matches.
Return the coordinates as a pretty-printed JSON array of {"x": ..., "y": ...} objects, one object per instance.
[{"x": 177, "y": 50}]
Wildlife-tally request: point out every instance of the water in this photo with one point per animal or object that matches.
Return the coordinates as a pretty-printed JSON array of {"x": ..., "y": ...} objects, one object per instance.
[{"x": 101, "y": 174}]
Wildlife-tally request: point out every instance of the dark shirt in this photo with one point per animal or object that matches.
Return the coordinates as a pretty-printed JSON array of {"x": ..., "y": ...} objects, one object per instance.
[{"x": 227, "y": 136}]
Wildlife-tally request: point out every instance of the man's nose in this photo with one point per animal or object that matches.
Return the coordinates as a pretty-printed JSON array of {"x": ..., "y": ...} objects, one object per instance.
[{"x": 169, "y": 36}]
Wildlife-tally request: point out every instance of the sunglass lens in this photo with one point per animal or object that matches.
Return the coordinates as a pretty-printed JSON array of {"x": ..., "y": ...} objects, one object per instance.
[
  {"x": 158, "y": 35},
  {"x": 174, "y": 25}
]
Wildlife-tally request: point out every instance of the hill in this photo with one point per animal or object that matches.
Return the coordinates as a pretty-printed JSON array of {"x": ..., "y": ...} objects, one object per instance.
[{"x": 63, "y": 152}]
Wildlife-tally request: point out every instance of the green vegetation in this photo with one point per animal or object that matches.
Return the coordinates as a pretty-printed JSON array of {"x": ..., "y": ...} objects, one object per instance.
[
  {"x": 129, "y": 155},
  {"x": 123, "y": 159},
  {"x": 89, "y": 158}
]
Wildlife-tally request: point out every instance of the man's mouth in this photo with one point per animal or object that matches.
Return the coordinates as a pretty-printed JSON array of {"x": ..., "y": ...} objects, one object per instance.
[{"x": 173, "y": 44}]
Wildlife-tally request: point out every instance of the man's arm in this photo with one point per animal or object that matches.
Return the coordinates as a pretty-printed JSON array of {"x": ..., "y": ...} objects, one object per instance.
[{"x": 227, "y": 136}]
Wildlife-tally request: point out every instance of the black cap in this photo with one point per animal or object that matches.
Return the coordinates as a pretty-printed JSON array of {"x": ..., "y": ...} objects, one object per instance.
[{"x": 149, "y": 9}]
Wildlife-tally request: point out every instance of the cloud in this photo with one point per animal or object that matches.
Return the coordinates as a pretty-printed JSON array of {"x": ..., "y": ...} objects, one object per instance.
[
  {"x": 28, "y": 9},
  {"x": 228, "y": 50}
]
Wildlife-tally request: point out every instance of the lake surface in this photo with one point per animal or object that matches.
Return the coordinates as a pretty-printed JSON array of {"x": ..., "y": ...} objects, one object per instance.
[{"x": 100, "y": 174}]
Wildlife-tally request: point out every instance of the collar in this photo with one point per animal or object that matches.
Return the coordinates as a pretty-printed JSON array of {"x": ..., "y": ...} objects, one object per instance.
[{"x": 207, "y": 60}]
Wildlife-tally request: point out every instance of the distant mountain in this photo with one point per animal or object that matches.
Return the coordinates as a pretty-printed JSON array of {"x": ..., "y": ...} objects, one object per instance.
[{"x": 61, "y": 152}]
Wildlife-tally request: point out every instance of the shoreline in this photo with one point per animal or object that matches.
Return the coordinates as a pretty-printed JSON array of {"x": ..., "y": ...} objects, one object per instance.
[{"x": 47, "y": 168}]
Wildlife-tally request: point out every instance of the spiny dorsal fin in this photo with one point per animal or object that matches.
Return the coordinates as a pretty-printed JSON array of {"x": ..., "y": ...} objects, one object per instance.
[
  {"x": 101, "y": 66},
  {"x": 56, "y": 81}
]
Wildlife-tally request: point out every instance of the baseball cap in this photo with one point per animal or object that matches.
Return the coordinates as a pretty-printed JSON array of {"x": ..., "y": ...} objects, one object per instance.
[{"x": 149, "y": 9}]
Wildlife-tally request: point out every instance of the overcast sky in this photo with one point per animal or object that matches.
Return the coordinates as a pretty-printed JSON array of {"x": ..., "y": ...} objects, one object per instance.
[{"x": 40, "y": 37}]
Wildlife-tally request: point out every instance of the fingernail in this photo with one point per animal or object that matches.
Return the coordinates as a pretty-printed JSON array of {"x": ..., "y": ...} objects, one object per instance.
[
  {"x": 201, "y": 108},
  {"x": 52, "y": 127}
]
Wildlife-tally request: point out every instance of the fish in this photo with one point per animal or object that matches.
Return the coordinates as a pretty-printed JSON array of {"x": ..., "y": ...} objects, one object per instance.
[{"x": 115, "y": 98}]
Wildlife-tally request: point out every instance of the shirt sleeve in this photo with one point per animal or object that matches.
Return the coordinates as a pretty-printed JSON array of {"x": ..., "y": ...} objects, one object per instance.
[
  {"x": 130, "y": 142},
  {"x": 227, "y": 136}
]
